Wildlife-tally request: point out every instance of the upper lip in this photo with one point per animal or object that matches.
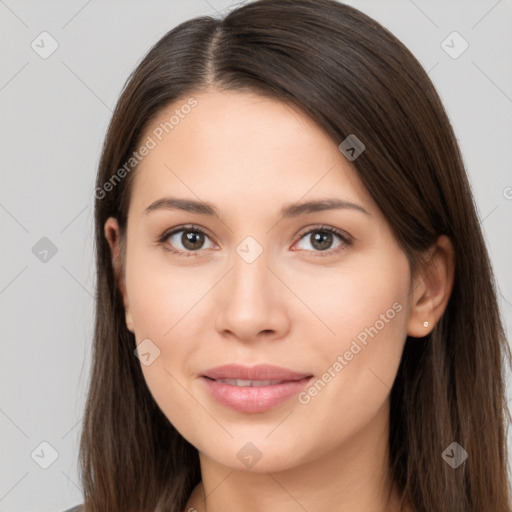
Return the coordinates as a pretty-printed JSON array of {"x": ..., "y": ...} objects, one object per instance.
[{"x": 258, "y": 372}]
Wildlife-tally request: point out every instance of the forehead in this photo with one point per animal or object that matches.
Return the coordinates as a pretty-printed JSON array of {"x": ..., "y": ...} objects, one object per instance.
[{"x": 237, "y": 148}]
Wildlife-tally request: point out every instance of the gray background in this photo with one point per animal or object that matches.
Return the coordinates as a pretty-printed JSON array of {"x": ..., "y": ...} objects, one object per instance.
[{"x": 55, "y": 112}]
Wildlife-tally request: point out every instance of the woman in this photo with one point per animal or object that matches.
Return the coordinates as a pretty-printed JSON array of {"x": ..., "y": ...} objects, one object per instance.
[{"x": 295, "y": 305}]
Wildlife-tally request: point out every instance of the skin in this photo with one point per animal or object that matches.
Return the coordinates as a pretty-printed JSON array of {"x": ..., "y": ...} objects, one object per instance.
[{"x": 250, "y": 156}]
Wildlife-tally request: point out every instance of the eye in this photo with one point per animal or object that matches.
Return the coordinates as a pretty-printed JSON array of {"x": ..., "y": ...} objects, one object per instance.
[
  {"x": 191, "y": 238},
  {"x": 321, "y": 240}
]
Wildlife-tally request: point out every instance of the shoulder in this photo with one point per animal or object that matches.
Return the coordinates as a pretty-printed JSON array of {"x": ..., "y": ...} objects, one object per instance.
[{"x": 77, "y": 508}]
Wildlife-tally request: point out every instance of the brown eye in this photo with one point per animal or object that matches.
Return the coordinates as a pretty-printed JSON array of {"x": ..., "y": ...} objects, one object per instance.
[
  {"x": 185, "y": 241},
  {"x": 321, "y": 240},
  {"x": 192, "y": 240}
]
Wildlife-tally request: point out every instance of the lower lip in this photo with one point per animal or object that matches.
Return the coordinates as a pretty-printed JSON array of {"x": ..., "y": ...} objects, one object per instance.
[{"x": 252, "y": 399}]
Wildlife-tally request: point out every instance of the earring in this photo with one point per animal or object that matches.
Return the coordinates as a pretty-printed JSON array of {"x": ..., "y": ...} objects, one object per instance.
[{"x": 425, "y": 324}]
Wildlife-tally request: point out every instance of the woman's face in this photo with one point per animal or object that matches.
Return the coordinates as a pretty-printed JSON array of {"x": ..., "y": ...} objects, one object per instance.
[{"x": 259, "y": 287}]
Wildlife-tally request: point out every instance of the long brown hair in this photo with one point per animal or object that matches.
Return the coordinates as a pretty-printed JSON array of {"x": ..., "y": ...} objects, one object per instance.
[{"x": 351, "y": 76}]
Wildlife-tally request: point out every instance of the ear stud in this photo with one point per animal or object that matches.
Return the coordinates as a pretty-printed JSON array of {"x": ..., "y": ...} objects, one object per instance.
[{"x": 425, "y": 324}]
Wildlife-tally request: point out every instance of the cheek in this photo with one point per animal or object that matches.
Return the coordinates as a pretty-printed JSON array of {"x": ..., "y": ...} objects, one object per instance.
[
  {"x": 364, "y": 297},
  {"x": 353, "y": 387},
  {"x": 365, "y": 315},
  {"x": 165, "y": 308},
  {"x": 160, "y": 292},
  {"x": 164, "y": 302}
]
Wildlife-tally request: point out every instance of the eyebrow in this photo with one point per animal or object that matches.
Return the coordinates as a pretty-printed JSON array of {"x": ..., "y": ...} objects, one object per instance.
[{"x": 289, "y": 211}]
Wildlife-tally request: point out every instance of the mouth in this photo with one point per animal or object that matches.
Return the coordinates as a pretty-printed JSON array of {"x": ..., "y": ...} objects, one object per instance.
[
  {"x": 250, "y": 383},
  {"x": 253, "y": 374},
  {"x": 253, "y": 396}
]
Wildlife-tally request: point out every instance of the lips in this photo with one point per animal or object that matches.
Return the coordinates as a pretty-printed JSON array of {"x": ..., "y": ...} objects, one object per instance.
[
  {"x": 261, "y": 372},
  {"x": 254, "y": 389},
  {"x": 250, "y": 383}
]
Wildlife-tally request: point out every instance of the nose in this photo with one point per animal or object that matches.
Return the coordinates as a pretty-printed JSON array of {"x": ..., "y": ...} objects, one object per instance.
[{"x": 251, "y": 301}]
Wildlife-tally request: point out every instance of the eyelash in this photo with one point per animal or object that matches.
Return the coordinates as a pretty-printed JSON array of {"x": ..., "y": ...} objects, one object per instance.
[{"x": 347, "y": 242}]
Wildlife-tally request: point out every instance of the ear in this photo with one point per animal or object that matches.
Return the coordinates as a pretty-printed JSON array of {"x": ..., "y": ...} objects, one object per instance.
[
  {"x": 111, "y": 230},
  {"x": 432, "y": 288}
]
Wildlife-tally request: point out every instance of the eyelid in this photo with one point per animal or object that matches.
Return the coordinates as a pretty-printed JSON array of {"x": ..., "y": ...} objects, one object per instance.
[
  {"x": 325, "y": 227},
  {"x": 176, "y": 229}
]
